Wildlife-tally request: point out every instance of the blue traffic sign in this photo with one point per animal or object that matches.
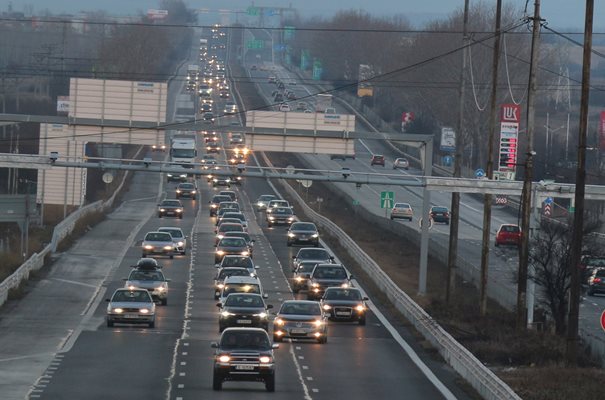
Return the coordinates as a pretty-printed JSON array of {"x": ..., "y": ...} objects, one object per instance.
[
  {"x": 448, "y": 161},
  {"x": 549, "y": 200},
  {"x": 479, "y": 173}
]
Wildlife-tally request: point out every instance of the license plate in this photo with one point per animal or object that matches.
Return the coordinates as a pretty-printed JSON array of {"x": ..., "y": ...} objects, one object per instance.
[
  {"x": 245, "y": 367},
  {"x": 343, "y": 313},
  {"x": 244, "y": 321},
  {"x": 298, "y": 331},
  {"x": 130, "y": 316},
  {"x": 303, "y": 239}
]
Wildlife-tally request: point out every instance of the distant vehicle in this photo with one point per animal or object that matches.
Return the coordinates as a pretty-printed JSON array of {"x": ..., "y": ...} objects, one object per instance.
[
  {"x": 271, "y": 79},
  {"x": 325, "y": 276},
  {"x": 157, "y": 243},
  {"x": 178, "y": 238},
  {"x": 301, "y": 275},
  {"x": 588, "y": 263},
  {"x": 300, "y": 319},
  {"x": 402, "y": 210},
  {"x": 330, "y": 110},
  {"x": 208, "y": 118},
  {"x": 236, "y": 138},
  {"x": 344, "y": 304},
  {"x": 232, "y": 195},
  {"x": 253, "y": 68},
  {"x": 263, "y": 201},
  {"x": 301, "y": 106},
  {"x": 158, "y": 147},
  {"x": 224, "y": 94},
  {"x": 225, "y": 272},
  {"x": 230, "y": 245},
  {"x": 244, "y": 309},
  {"x": 323, "y": 101},
  {"x": 596, "y": 282},
  {"x": 215, "y": 201},
  {"x": 230, "y": 108},
  {"x": 401, "y": 163},
  {"x": 186, "y": 189},
  {"x": 303, "y": 232},
  {"x": 277, "y": 203},
  {"x": 152, "y": 280},
  {"x": 280, "y": 215},
  {"x": 130, "y": 307},
  {"x": 183, "y": 151},
  {"x": 377, "y": 159},
  {"x": 172, "y": 208},
  {"x": 259, "y": 366},
  {"x": 278, "y": 97},
  {"x": 440, "y": 214},
  {"x": 212, "y": 147},
  {"x": 508, "y": 234},
  {"x": 319, "y": 256},
  {"x": 342, "y": 157}
]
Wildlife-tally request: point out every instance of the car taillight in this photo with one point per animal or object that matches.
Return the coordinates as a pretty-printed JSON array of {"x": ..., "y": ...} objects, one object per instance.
[{"x": 597, "y": 280}]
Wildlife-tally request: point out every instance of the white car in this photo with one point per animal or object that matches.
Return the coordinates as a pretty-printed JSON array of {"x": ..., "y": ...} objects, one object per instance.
[
  {"x": 241, "y": 284},
  {"x": 130, "y": 307},
  {"x": 178, "y": 238},
  {"x": 401, "y": 163}
]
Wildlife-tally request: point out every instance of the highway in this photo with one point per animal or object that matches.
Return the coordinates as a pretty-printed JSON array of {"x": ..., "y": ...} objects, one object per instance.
[{"x": 56, "y": 344}]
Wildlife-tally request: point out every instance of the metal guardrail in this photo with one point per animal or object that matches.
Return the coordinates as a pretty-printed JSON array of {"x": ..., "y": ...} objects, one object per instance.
[{"x": 488, "y": 384}]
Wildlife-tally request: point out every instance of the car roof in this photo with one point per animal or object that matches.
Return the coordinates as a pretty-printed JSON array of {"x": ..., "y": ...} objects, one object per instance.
[
  {"x": 172, "y": 228},
  {"x": 300, "y": 302},
  {"x": 242, "y": 279}
]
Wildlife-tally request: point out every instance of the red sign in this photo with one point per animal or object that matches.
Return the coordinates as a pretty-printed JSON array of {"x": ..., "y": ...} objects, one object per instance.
[
  {"x": 407, "y": 116},
  {"x": 602, "y": 131},
  {"x": 603, "y": 320},
  {"x": 510, "y": 113}
]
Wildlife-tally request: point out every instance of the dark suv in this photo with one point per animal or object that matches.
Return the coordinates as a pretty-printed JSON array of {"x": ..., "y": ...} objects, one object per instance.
[
  {"x": 244, "y": 354},
  {"x": 596, "y": 281},
  {"x": 325, "y": 276},
  {"x": 214, "y": 203},
  {"x": 377, "y": 160}
]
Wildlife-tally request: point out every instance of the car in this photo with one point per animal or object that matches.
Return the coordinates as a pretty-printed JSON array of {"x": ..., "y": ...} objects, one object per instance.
[
  {"x": 228, "y": 206},
  {"x": 179, "y": 239},
  {"x": 157, "y": 243},
  {"x": 263, "y": 201},
  {"x": 320, "y": 256},
  {"x": 596, "y": 282},
  {"x": 239, "y": 216},
  {"x": 212, "y": 147},
  {"x": 303, "y": 232},
  {"x": 280, "y": 215},
  {"x": 226, "y": 220},
  {"x": 300, "y": 319},
  {"x": 402, "y": 210},
  {"x": 325, "y": 276},
  {"x": 229, "y": 225},
  {"x": 291, "y": 96},
  {"x": 215, "y": 201},
  {"x": 205, "y": 107},
  {"x": 236, "y": 138},
  {"x": 232, "y": 195},
  {"x": 172, "y": 208},
  {"x": 209, "y": 165},
  {"x": 276, "y": 203},
  {"x": 158, "y": 147},
  {"x": 208, "y": 118},
  {"x": 230, "y": 108},
  {"x": 301, "y": 275},
  {"x": 243, "y": 235},
  {"x": 244, "y": 309},
  {"x": 278, "y": 97},
  {"x": 241, "y": 284},
  {"x": 508, "y": 234},
  {"x": 186, "y": 189},
  {"x": 236, "y": 180},
  {"x": 224, "y": 273},
  {"x": 176, "y": 176},
  {"x": 401, "y": 163},
  {"x": 284, "y": 107},
  {"x": 224, "y": 94},
  {"x": 271, "y": 79},
  {"x": 440, "y": 214},
  {"x": 130, "y": 307},
  {"x": 301, "y": 106},
  {"x": 211, "y": 139},
  {"x": 344, "y": 304},
  {"x": 377, "y": 159},
  {"x": 230, "y": 245},
  {"x": 237, "y": 159},
  {"x": 237, "y": 261},
  {"x": 588, "y": 263},
  {"x": 244, "y": 354},
  {"x": 152, "y": 280}
]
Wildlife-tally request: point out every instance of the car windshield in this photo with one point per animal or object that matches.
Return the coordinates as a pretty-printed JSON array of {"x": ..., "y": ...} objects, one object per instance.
[
  {"x": 226, "y": 272},
  {"x": 306, "y": 267},
  {"x": 133, "y": 296},
  {"x": 303, "y": 226},
  {"x": 279, "y": 203},
  {"x": 175, "y": 233},
  {"x": 186, "y": 186},
  {"x": 227, "y": 220},
  {"x": 146, "y": 276},
  {"x": 330, "y": 273},
  {"x": 402, "y": 205},
  {"x": 282, "y": 210},
  {"x": 510, "y": 228},
  {"x": 257, "y": 340},
  {"x": 439, "y": 209},
  {"x": 171, "y": 203},
  {"x": 231, "y": 227},
  {"x": 220, "y": 199},
  {"x": 240, "y": 288},
  {"x": 295, "y": 308},
  {"x": 228, "y": 204},
  {"x": 313, "y": 254},
  {"x": 242, "y": 235},
  {"x": 234, "y": 215},
  {"x": 242, "y": 300},
  {"x": 342, "y": 294},
  {"x": 232, "y": 242},
  {"x": 237, "y": 261},
  {"x": 158, "y": 237}
]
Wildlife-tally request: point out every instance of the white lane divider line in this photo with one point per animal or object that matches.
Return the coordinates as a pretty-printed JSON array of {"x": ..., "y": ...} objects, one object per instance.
[
  {"x": 180, "y": 386},
  {"x": 309, "y": 378},
  {"x": 182, "y": 374},
  {"x": 300, "y": 375},
  {"x": 315, "y": 390},
  {"x": 305, "y": 367}
]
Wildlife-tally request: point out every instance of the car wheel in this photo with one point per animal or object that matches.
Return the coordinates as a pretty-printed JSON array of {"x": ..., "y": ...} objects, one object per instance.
[
  {"x": 164, "y": 302},
  {"x": 143, "y": 255},
  {"x": 152, "y": 324},
  {"x": 362, "y": 321},
  {"x": 269, "y": 225},
  {"x": 217, "y": 382},
  {"x": 171, "y": 256},
  {"x": 270, "y": 383},
  {"x": 109, "y": 324}
]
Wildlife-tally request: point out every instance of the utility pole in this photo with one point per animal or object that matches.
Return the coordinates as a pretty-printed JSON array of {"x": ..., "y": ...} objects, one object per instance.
[
  {"x": 487, "y": 198},
  {"x": 571, "y": 351},
  {"x": 455, "y": 206},
  {"x": 521, "y": 320}
]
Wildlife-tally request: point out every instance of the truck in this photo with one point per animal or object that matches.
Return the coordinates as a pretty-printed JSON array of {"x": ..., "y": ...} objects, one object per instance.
[
  {"x": 183, "y": 152},
  {"x": 204, "y": 45},
  {"x": 323, "y": 101}
]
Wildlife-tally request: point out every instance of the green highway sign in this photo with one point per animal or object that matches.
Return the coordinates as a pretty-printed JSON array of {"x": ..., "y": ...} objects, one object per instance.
[
  {"x": 387, "y": 199},
  {"x": 255, "y": 44},
  {"x": 355, "y": 202}
]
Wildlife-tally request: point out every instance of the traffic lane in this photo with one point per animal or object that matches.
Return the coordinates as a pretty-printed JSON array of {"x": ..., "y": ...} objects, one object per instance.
[{"x": 194, "y": 356}]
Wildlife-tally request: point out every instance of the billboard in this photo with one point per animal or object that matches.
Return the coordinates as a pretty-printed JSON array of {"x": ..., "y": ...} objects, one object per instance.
[
  {"x": 510, "y": 117},
  {"x": 364, "y": 86},
  {"x": 62, "y": 105},
  {"x": 300, "y": 121},
  {"x": 448, "y": 139},
  {"x": 157, "y": 14}
]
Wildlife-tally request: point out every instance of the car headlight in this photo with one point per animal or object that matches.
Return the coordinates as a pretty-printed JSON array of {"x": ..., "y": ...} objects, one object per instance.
[
  {"x": 180, "y": 243},
  {"x": 220, "y": 237},
  {"x": 360, "y": 308},
  {"x": 327, "y": 307},
  {"x": 271, "y": 218},
  {"x": 179, "y": 210},
  {"x": 144, "y": 311},
  {"x": 315, "y": 284},
  {"x": 227, "y": 314},
  {"x": 299, "y": 279},
  {"x": 131, "y": 287},
  {"x": 279, "y": 322},
  {"x": 260, "y": 204},
  {"x": 345, "y": 285},
  {"x": 193, "y": 192},
  {"x": 161, "y": 289},
  {"x": 148, "y": 247},
  {"x": 318, "y": 322},
  {"x": 183, "y": 175},
  {"x": 118, "y": 310},
  {"x": 265, "y": 359},
  {"x": 220, "y": 252},
  {"x": 315, "y": 235},
  {"x": 290, "y": 219},
  {"x": 262, "y": 315},
  {"x": 213, "y": 205},
  {"x": 168, "y": 247},
  {"x": 290, "y": 234},
  {"x": 224, "y": 358},
  {"x": 227, "y": 180},
  {"x": 162, "y": 209},
  {"x": 220, "y": 285},
  {"x": 245, "y": 253},
  {"x": 178, "y": 191}
]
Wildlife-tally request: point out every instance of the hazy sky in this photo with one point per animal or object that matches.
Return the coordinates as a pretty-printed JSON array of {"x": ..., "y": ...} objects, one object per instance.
[{"x": 559, "y": 13}]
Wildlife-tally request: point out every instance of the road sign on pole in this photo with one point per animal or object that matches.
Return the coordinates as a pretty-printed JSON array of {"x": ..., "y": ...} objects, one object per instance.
[
  {"x": 387, "y": 199},
  {"x": 603, "y": 320}
]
